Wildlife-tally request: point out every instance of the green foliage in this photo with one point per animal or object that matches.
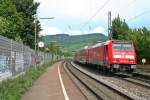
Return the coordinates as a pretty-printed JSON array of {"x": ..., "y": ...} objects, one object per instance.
[
  {"x": 53, "y": 48},
  {"x": 10, "y": 20},
  {"x": 27, "y": 9},
  {"x": 17, "y": 20},
  {"x": 140, "y": 38},
  {"x": 13, "y": 89},
  {"x": 119, "y": 28}
]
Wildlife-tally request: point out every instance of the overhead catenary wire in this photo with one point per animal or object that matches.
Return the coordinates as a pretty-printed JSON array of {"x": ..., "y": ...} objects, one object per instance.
[
  {"x": 131, "y": 3},
  {"x": 82, "y": 13},
  {"x": 139, "y": 15},
  {"x": 90, "y": 2},
  {"x": 100, "y": 8}
]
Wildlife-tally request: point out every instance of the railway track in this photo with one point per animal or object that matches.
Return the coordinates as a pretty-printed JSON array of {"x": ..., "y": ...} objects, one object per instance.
[
  {"x": 83, "y": 88},
  {"x": 141, "y": 77},
  {"x": 99, "y": 89},
  {"x": 136, "y": 81},
  {"x": 110, "y": 86},
  {"x": 88, "y": 93},
  {"x": 141, "y": 89}
]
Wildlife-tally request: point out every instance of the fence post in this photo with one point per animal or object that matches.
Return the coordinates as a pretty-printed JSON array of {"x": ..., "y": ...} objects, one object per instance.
[
  {"x": 11, "y": 55},
  {"x": 23, "y": 59}
]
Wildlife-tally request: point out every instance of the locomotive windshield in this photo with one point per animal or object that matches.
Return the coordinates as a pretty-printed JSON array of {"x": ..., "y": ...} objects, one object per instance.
[{"x": 122, "y": 46}]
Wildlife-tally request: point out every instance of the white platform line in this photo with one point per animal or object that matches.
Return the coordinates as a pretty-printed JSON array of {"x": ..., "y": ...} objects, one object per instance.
[{"x": 62, "y": 85}]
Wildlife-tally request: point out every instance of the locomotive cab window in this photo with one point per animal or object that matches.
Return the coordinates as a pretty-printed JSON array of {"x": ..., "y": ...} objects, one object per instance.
[{"x": 122, "y": 46}]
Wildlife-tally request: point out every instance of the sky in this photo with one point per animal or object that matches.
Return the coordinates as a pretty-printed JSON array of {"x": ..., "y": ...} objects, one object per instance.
[{"x": 75, "y": 17}]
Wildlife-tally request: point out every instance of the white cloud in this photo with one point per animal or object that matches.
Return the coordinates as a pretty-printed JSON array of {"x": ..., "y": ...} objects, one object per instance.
[
  {"x": 98, "y": 29},
  {"x": 74, "y": 32},
  {"x": 49, "y": 30}
]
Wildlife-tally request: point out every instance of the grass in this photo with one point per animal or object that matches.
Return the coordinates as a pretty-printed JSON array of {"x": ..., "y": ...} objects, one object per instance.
[{"x": 13, "y": 89}]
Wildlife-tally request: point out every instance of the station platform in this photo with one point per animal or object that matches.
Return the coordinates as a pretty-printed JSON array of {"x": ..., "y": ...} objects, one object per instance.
[{"x": 54, "y": 84}]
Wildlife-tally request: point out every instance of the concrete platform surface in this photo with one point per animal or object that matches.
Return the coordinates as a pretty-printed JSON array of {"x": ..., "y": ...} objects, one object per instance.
[{"x": 50, "y": 87}]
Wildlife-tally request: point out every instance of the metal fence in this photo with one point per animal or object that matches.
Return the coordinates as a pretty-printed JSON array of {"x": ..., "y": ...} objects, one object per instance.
[{"x": 16, "y": 58}]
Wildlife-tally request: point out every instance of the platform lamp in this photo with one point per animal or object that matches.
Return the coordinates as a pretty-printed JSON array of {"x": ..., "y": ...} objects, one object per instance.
[{"x": 35, "y": 31}]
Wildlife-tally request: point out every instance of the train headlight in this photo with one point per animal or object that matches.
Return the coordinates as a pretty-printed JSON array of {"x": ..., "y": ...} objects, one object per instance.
[
  {"x": 131, "y": 61},
  {"x": 115, "y": 61},
  {"x": 130, "y": 56},
  {"x": 116, "y": 66},
  {"x": 133, "y": 66}
]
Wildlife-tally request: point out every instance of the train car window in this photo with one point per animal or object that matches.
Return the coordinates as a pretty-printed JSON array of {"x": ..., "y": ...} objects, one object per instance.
[
  {"x": 117, "y": 46},
  {"x": 122, "y": 46},
  {"x": 127, "y": 46}
]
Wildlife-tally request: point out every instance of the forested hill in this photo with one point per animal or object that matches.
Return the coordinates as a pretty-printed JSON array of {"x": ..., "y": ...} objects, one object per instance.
[{"x": 74, "y": 42}]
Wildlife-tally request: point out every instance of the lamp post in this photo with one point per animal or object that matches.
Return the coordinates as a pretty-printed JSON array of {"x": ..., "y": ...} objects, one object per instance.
[{"x": 35, "y": 33}]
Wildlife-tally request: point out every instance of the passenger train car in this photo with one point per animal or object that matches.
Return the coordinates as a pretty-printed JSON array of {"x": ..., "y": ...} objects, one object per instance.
[{"x": 112, "y": 55}]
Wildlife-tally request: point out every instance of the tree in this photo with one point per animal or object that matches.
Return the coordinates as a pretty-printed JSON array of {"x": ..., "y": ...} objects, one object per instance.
[
  {"x": 10, "y": 20},
  {"x": 141, "y": 39},
  {"x": 119, "y": 28},
  {"x": 27, "y": 9},
  {"x": 52, "y": 48}
]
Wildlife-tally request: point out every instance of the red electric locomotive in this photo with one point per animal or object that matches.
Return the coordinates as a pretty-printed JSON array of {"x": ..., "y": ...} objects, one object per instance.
[{"x": 112, "y": 55}]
